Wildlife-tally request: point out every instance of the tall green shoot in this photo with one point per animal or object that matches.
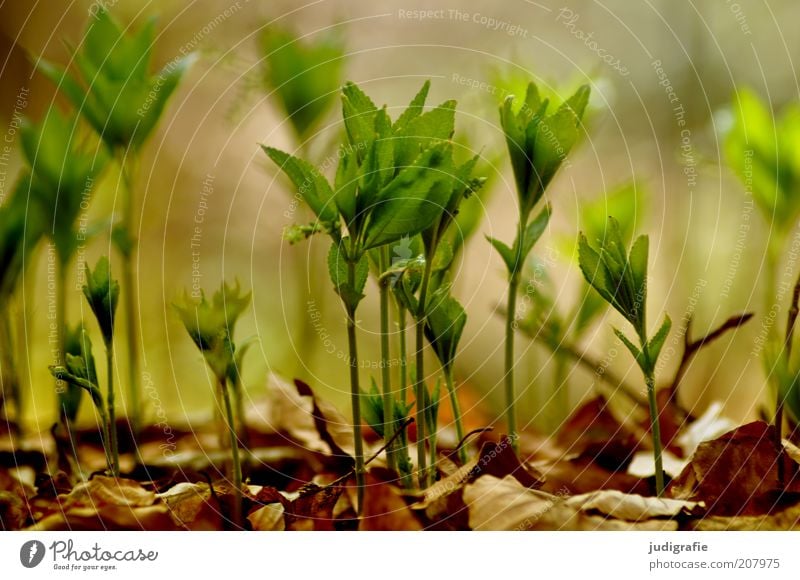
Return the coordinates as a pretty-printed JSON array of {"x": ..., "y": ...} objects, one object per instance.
[
  {"x": 621, "y": 279},
  {"x": 537, "y": 144}
]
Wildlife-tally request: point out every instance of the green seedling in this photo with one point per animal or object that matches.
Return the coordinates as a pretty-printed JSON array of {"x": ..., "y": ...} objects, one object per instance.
[
  {"x": 102, "y": 293},
  {"x": 761, "y": 148},
  {"x": 211, "y": 326},
  {"x": 21, "y": 228},
  {"x": 538, "y": 143},
  {"x": 444, "y": 325},
  {"x": 392, "y": 182},
  {"x": 560, "y": 330},
  {"x": 621, "y": 279},
  {"x": 113, "y": 89},
  {"x": 63, "y": 172},
  {"x": 304, "y": 73}
]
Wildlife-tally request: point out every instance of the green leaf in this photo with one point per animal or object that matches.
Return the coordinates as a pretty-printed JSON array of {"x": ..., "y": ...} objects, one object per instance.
[
  {"x": 414, "y": 108},
  {"x": 444, "y": 325},
  {"x": 372, "y": 408},
  {"x": 102, "y": 294},
  {"x": 351, "y": 293},
  {"x": 310, "y": 183},
  {"x": 578, "y": 102},
  {"x": 637, "y": 354},
  {"x": 637, "y": 261},
  {"x": 359, "y": 113},
  {"x": 346, "y": 184},
  {"x": 443, "y": 257},
  {"x": 507, "y": 253},
  {"x": 515, "y": 141},
  {"x": 555, "y": 137},
  {"x": 534, "y": 231},
  {"x": 413, "y": 200},
  {"x": 424, "y": 131},
  {"x": 304, "y": 73},
  {"x": 657, "y": 342},
  {"x": 596, "y": 273}
]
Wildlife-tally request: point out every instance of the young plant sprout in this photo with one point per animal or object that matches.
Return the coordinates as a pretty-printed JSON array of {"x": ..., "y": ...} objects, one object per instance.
[
  {"x": 444, "y": 325},
  {"x": 211, "y": 325},
  {"x": 113, "y": 89},
  {"x": 80, "y": 363},
  {"x": 622, "y": 282},
  {"x": 102, "y": 294},
  {"x": 392, "y": 182},
  {"x": 304, "y": 73},
  {"x": 761, "y": 148},
  {"x": 561, "y": 329},
  {"x": 537, "y": 143},
  {"x": 62, "y": 176},
  {"x": 20, "y": 231}
]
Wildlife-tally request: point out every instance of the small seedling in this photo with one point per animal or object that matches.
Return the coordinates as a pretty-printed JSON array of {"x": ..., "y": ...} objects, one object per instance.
[
  {"x": 211, "y": 325},
  {"x": 113, "y": 89},
  {"x": 62, "y": 174},
  {"x": 20, "y": 232},
  {"x": 537, "y": 143},
  {"x": 761, "y": 148},
  {"x": 392, "y": 182},
  {"x": 304, "y": 73},
  {"x": 102, "y": 294},
  {"x": 621, "y": 279}
]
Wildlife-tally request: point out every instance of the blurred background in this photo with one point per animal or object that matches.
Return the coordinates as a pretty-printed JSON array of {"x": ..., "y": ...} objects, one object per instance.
[{"x": 662, "y": 73}]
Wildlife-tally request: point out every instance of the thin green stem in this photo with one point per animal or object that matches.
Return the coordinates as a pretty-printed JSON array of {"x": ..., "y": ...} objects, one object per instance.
[
  {"x": 112, "y": 413},
  {"x": 236, "y": 465},
  {"x": 61, "y": 317},
  {"x": 130, "y": 281},
  {"x": 457, "y": 417},
  {"x": 511, "y": 323},
  {"x": 401, "y": 322},
  {"x": 355, "y": 392},
  {"x": 386, "y": 379},
  {"x": 648, "y": 368},
  {"x": 511, "y": 417},
  {"x": 419, "y": 383},
  {"x": 656, "y": 430}
]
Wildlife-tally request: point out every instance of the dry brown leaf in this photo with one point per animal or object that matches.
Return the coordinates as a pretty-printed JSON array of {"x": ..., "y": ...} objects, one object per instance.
[
  {"x": 736, "y": 474},
  {"x": 504, "y": 504},
  {"x": 105, "y": 503},
  {"x": 292, "y": 410},
  {"x": 384, "y": 509},
  {"x": 631, "y": 507},
  {"x": 192, "y": 506},
  {"x": 269, "y": 518},
  {"x": 786, "y": 520}
]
